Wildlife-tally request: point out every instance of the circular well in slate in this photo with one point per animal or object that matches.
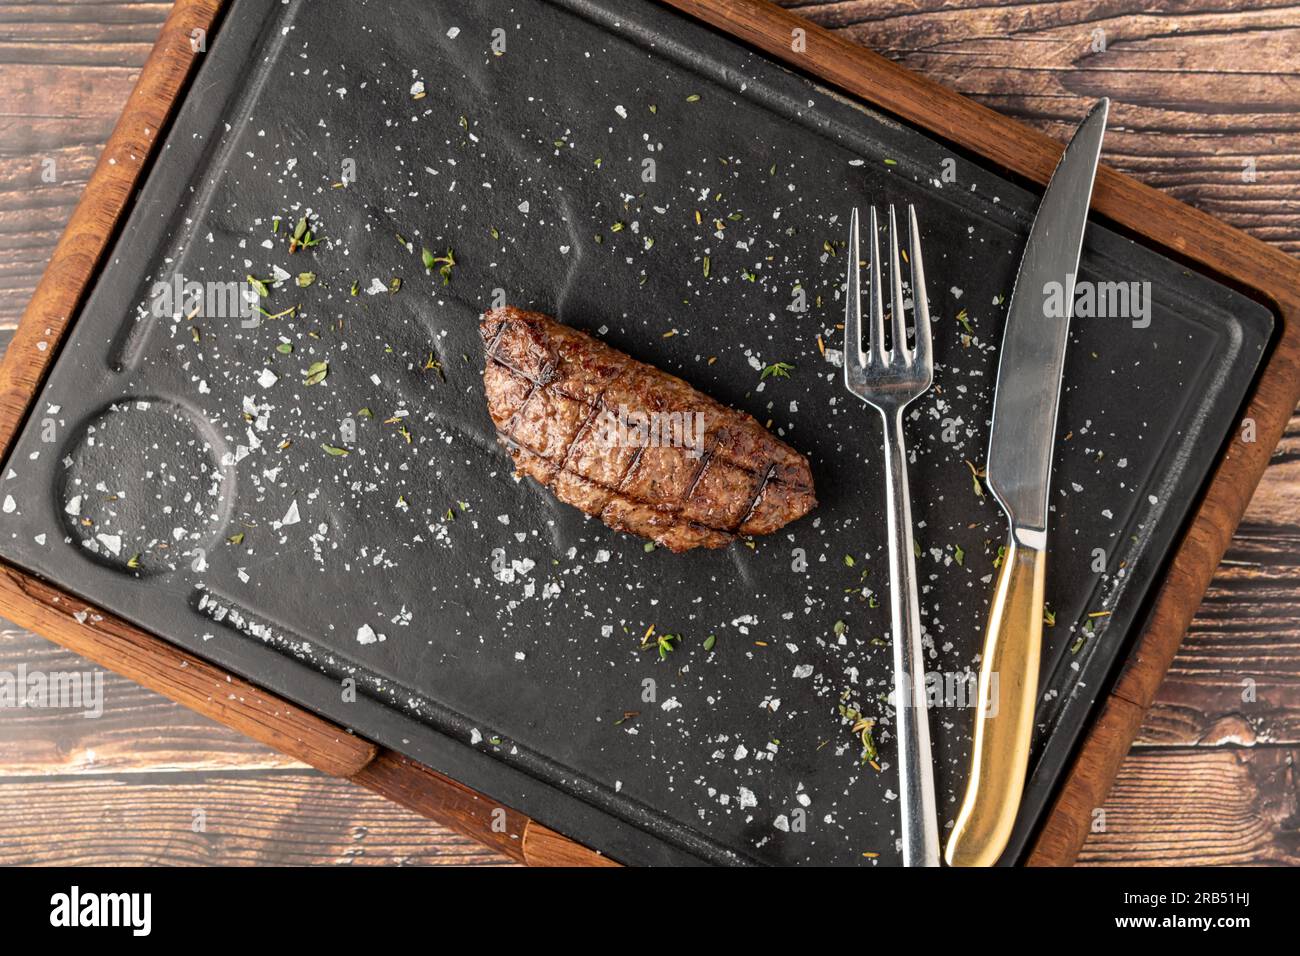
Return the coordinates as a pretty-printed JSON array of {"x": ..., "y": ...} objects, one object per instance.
[{"x": 144, "y": 488}]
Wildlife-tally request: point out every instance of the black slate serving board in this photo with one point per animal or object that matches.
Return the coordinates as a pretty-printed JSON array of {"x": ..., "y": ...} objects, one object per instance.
[{"x": 491, "y": 632}]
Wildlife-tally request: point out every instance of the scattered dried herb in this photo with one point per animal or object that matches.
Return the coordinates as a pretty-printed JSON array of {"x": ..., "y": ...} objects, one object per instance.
[
  {"x": 316, "y": 373},
  {"x": 444, "y": 263}
]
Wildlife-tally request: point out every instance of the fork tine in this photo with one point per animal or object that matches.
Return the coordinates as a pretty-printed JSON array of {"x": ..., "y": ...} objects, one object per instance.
[
  {"x": 853, "y": 305},
  {"x": 898, "y": 322},
  {"x": 877, "y": 344},
  {"x": 920, "y": 302}
]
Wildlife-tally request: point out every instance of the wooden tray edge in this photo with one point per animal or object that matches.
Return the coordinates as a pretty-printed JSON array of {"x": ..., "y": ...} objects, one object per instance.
[{"x": 1195, "y": 236}]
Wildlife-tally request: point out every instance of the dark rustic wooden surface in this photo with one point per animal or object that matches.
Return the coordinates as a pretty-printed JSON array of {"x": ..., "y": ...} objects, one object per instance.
[{"x": 1199, "y": 90}]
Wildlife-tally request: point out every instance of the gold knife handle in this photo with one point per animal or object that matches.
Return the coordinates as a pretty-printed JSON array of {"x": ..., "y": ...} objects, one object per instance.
[{"x": 1004, "y": 719}]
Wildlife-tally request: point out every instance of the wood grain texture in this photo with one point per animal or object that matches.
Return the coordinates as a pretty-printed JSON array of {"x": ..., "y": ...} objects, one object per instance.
[
  {"x": 105, "y": 788},
  {"x": 268, "y": 818},
  {"x": 66, "y": 69},
  {"x": 138, "y": 730},
  {"x": 1204, "y": 806},
  {"x": 1199, "y": 89},
  {"x": 112, "y": 643}
]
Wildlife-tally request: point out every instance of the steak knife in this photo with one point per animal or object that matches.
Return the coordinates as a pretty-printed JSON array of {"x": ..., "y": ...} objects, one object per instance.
[{"x": 1019, "y": 475}]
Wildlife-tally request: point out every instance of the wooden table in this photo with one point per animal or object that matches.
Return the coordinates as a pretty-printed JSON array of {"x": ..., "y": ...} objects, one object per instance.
[{"x": 1203, "y": 96}]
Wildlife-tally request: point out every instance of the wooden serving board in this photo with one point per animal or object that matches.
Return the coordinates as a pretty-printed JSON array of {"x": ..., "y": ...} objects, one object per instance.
[{"x": 1216, "y": 251}]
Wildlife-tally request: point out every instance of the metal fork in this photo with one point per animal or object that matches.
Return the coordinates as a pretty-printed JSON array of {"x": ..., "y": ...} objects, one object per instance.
[{"x": 888, "y": 379}]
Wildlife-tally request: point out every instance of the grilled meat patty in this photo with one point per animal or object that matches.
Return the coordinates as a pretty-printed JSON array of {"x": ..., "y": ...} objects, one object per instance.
[{"x": 635, "y": 446}]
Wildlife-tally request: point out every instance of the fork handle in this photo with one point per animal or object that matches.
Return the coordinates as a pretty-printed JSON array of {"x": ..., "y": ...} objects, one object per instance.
[
  {"x": 920, "y": 818},
  {"x": 1004, "y": 720}
]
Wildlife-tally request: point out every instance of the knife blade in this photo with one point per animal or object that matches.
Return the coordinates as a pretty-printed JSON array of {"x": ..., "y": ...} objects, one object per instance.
[
  {"x": 1028, "y": 387},
  {"x": 1019, "y": 471}
]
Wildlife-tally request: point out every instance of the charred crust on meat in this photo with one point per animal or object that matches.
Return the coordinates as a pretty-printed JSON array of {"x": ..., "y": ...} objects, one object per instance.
[{"x": 547, "y": 386}]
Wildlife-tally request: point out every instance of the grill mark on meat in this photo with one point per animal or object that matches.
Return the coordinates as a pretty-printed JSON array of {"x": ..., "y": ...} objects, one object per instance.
[
  {"x": 733, "y": 442},
  {"x": 514, "y": 419},
  {"x": 758, "y": 495}
]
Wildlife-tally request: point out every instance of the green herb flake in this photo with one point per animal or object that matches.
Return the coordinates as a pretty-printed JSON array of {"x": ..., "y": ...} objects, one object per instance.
[
  {"x": 284, "y": 348},
  {"x": 707, "y": 266},
  {"x": 1049, "y": 616},
  {"x": 305, "y": 279},
  {"x": 236, "y": 538},
  {"x": 693, "y": 98},
  {"x": 864, "y": 728},
  {"x": 709, "y": 642},
  {"x": 959, "y": 555},
  {"x": 258, "y": 285},
  {"x": 334, "y": 450},
  {"x": 848, "y": 561},
  {"x": 444, "y": 263},
  {"x": 316, "y": 373},
  {"x": 776, "y": 370},
  {"x": 648, "y": 547}
]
